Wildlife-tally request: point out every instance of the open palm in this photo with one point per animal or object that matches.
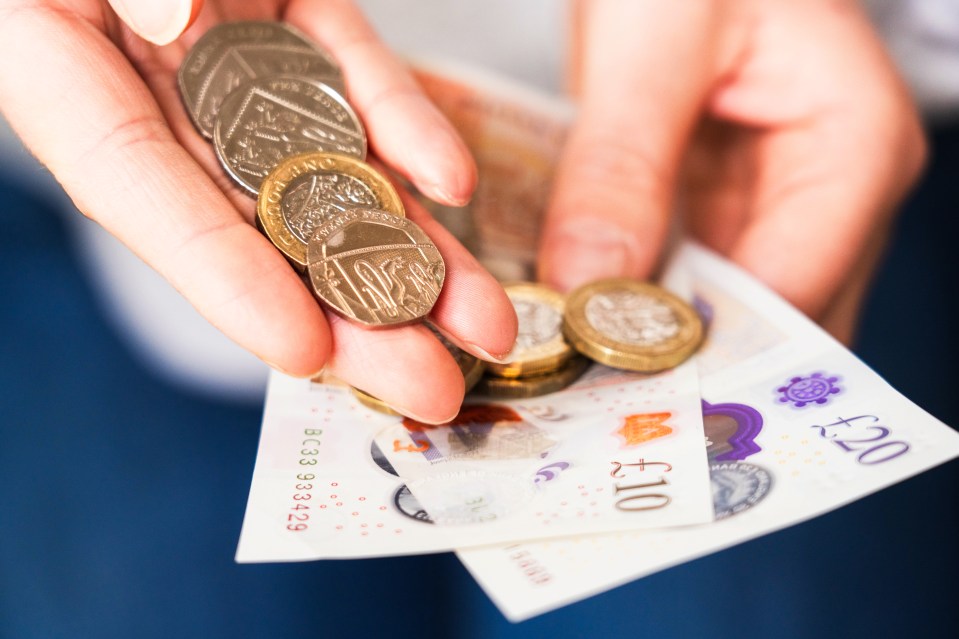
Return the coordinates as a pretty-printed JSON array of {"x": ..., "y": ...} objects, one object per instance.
[{"x": 99, "y": 106}]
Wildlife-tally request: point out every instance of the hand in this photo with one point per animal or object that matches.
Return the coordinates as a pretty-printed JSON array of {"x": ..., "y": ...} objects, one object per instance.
[
  {"x": 99, "y": 106},
  {"x": 779, "y": 128}
]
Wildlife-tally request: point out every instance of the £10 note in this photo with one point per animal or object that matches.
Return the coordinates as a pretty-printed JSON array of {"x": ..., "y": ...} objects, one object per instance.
[{"x": 335, "y": 479}]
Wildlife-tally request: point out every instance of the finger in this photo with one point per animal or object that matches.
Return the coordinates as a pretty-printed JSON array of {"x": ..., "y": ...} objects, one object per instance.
[
  {"x": 93, "y": 122},
  {"x": 841, "y": 318},
  {"x": 407, "y": 367},
  {"x": 821, "y": 201},
  {"x": 718, "y": 175},
  {"x": 157, "y": 21},
  {"x": 833, "y": 163},
  {"x": 473, "y": 309},
  {"x": 403, "y": 126},
  {"x": 615, "y": 180}
]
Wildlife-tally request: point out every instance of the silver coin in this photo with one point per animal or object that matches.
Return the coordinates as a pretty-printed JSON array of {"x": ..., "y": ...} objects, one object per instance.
[
  {"x": 232, "y": 53},
  {"x": 375, "y": 268},
  {"x": 267, "y": 120}
]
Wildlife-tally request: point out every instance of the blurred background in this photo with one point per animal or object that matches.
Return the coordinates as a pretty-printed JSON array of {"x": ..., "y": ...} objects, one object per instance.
[{"x": 130, "y": 425}]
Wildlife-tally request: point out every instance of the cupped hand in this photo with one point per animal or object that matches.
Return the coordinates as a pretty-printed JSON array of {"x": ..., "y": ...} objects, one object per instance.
[
  {"x": 779, "y": 129},
  {"x": 91, "y": 89}
]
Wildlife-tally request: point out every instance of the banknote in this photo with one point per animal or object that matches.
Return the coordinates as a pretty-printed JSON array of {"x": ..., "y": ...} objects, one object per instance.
[
  {"x": 614, "y": 451},
  {"x": 515, "y": 134},
  {"x": 795, "y": 426},
  {"x": 791, "y": 424}
]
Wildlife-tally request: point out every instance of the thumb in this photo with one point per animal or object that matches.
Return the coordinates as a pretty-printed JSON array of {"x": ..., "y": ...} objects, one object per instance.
[
  {"x": 157, "y": 21},
  {"x": 645, "y": 70}
]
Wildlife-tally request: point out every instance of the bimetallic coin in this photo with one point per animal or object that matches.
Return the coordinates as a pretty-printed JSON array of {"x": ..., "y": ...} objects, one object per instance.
[
  {"x": 540, "y": 346},
  {"x": 472, "y": 367},
  {"x": 306, "y": 190},
  {"x": 631, "y": 325},
  {"x": 266, "y": 120},
  {"x": 535, "y": 385},
  {"x": 232, "y": 53},
  {"x": 374, "y": 268}
]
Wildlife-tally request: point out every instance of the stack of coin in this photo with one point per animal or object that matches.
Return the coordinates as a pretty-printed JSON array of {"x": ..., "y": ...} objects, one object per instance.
[
  {"x": 620, "y": 323},
  {"x": 541, "y": 361},
  {"x": 273, "y": 104}
]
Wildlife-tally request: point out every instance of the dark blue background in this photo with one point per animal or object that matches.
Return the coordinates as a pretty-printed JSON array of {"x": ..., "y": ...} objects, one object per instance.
[{"x": 121, "y": 498}]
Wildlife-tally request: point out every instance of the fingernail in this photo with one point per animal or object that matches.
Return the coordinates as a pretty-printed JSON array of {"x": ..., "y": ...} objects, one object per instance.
[
  {"x": 450, "y": 199},
  {"x": 445, "y": 174},
  {"x": 589, "y": 252},
  {"x": 423, "y": 420},
  {"x": 159, "y": 21},
  {"x": 482, "y": 353}
]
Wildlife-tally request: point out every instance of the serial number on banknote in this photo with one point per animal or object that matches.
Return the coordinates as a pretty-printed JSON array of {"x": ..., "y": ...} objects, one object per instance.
[
  {"x": 534, "y": 571},
  {"x": 296, "y": 520},
  {"x": 866, "y": 439}
]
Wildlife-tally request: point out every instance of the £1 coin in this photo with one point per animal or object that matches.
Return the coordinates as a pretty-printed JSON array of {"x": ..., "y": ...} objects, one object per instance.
[
  {"x": 540, "y": 346},
  {"x": 631, "y": 325}
]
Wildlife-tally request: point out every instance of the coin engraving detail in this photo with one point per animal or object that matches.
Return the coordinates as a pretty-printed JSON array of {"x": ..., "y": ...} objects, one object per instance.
[
  {"x": 268, "y": 120},
  {"x": 314, "y": 198},
  {"x": 375, "y": 268},
  {"x": 632, "y": 318},
  {"x": 232, "y": 53},
  {"x": 342, "y": 183}
]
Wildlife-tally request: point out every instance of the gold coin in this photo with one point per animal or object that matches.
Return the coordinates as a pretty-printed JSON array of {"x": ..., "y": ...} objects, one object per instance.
[
  {"x": 373, "y": 403},
  {"x": 374, "y": 268},
  {"x": 631, "y": 325},
  {"x": 540, "y": 346},
  {"x": 470, "y": 366},
  {"x": 536, "y": 385},
  {"x": 307, "y": 190}
]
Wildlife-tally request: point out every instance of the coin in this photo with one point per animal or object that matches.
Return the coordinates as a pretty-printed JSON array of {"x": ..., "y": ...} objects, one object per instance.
[
  {"x": 631, "y": 325},
  {"x": 540, "y": 346},
  {"x": 306, "y": 190},
  {"x": 472, "y": 367},
  {"x": 266, "y": 120},
  {"x": 231, "y": 53},
  {"x": 535, "y": 385},
  {"x": 374, "y": 268},
  {"x": 373, "y": 403}
]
